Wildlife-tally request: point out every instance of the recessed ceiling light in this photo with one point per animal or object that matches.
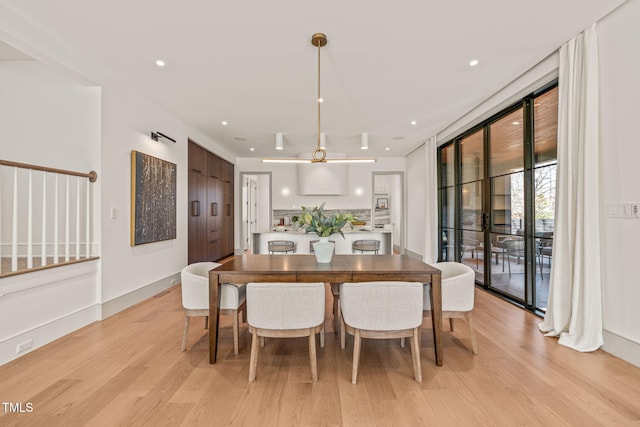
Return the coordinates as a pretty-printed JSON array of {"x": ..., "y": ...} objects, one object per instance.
[
  {"x": 224, "y": 123},
  {"x": 252, "y": 149},
  {"x": 413, "y": 123},
  {"x": 160, "y": 63},
  {"x": 473, "y": 62},
  {"x": 387, "y": 148}
]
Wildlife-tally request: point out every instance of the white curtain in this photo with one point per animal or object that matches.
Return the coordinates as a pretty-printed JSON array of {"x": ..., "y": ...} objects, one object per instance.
[
  {"x": 431, "y": 203},
  {"x": 574, "y": 311}
]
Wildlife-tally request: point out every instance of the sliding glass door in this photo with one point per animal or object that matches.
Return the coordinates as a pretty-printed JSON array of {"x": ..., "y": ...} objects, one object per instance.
[{"x": 497, "y": 198}]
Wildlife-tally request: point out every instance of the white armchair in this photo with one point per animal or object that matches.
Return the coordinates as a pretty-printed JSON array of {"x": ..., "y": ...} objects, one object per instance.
[
  {"x": 458, "y": 287},
  {"x": 195, "y": 298},
  {"x": 382, "y": 310},
  {"x": 285, "y": 310}
]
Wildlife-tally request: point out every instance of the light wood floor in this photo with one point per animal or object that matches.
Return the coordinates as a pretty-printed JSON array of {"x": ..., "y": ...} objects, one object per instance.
[{"x": 128, "y": 370}]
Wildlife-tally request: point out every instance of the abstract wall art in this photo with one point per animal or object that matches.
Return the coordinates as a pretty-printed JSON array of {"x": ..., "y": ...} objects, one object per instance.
[{"x": 153, "y": 199}]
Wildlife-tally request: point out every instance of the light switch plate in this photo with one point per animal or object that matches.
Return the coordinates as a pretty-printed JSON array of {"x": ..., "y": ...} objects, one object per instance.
[
  {"x": 634, "y": 210},
  {"x": 619, "y": 210}
]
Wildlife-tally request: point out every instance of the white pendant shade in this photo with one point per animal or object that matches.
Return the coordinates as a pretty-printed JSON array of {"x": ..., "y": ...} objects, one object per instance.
[{"x": 364, "y": 141}]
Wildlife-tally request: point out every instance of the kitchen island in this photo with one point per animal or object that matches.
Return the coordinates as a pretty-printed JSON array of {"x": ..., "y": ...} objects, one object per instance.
[{"x": 343, "y": 245}]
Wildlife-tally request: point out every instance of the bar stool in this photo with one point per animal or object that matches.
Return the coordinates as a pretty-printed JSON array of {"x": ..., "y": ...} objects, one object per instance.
[
  {"x": 281, "y": 246},
  {"x": 366, "y": 246},
  {"x": 311, "y": 242}
]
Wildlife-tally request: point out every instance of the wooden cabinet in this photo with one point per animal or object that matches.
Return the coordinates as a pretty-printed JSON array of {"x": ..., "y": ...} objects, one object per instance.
[
  {"x": 227, "y": 218},
  {"x": 197, "y": 158},
  {"x": 214, "y": 165},
  {"x": 210, "y": 206},
  {"x": 197, "y": 219}
]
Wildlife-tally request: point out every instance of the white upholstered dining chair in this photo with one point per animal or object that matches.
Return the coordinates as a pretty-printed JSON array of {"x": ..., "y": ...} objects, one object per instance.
[
  {"x": 382, "y": 310},
  {"x": 458, "y": 288},
  {"x": 285, "y": 310},
  {"x": 195, "y": 298}
]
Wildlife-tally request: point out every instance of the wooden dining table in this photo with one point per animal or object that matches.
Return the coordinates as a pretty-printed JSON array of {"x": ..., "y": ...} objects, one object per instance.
[{"x": 342, "y": 269}]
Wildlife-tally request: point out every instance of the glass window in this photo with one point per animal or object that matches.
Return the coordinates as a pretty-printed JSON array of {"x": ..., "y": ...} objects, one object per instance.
[
  {"x": 506, "y": 136},
  {"x": 472, "y": 154},
  {"x": 447, "y": 166},
  {"x": 505, "y": 237},
  {"x": 448, "y": 197},
  {"x": 472, "y": 206},
  {"x": 508, "y": 203},
  {"x": 545, "y": 198},
  {"x": 545, "y": 135}
]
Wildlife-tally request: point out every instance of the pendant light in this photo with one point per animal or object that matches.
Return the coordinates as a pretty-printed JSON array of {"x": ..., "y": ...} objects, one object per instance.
[{"x": 319, "y": 153}]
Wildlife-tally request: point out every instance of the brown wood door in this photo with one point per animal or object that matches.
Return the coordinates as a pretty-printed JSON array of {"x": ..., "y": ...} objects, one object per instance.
[
  {"x": 215, "y": 212},
  {"x": 196, "y": 215},
  {"x": 228, "y": 219},
  {"x": 214, "y": 165}
]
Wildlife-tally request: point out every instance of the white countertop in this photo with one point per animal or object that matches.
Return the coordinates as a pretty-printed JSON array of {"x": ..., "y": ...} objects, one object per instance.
[
  {"x": 343, "y": 244},
  {"x": 300, "y": 231}
]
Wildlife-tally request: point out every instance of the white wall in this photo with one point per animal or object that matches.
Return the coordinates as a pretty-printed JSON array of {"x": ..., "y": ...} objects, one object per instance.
[
  {"x": 618, "y": 34},
  {"x": 53, "y": 121},
  {"x": 285, "y": 183},
  {"x": 47, "y": 120},
  {"x": 264, "y": 202},
  {"x": 416, "y": 204},
  {"x": 620, "y": 150},
  {"x": 127, "y": 120}
]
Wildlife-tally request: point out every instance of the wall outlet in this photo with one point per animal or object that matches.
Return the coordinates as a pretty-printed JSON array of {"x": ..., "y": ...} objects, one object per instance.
[
  {"x": 24, "y": 346},
  {"x": 635, "y": 210}
]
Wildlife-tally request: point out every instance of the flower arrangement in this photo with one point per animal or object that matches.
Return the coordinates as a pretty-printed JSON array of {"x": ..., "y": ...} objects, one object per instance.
[{"x": 314, "y": 220}]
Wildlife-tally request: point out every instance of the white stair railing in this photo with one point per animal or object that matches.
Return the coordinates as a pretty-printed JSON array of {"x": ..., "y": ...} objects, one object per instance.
[{"x": 22, "y": 217}]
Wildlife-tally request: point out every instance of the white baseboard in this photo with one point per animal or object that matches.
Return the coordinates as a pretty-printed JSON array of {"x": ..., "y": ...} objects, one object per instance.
[
  {"x": 624, "y": 348},
  {"x": 43, "y": 334},
  {"x": 132, "y": 298},
  {"x": 414, "y": 254},
  {"x": 54, "y": 329}
]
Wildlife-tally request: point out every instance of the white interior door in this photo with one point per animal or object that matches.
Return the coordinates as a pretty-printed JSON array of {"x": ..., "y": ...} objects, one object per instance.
[{"x": 253, "y": 210}]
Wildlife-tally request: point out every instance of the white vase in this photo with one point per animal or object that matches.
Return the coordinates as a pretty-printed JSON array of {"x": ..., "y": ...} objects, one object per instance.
[{"x": 323, "y": 250}]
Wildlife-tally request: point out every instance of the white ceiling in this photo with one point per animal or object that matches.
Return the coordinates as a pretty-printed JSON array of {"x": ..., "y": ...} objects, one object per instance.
[{"x": 251, "y": 63}]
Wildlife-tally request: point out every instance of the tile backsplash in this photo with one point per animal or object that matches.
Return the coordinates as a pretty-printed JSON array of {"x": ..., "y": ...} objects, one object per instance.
[{"x": 360, "y": 214}]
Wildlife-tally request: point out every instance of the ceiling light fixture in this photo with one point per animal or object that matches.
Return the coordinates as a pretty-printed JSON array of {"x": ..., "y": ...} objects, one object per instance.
[
  {"x": 279, "y": 141},
  {"x": 364, "y": 141},
  {"x": 473, "y": 62},
  {"x": 319, "y": 154},
  {"x": 224, "y": 123},
  {"x": 160, "y": 63}
]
